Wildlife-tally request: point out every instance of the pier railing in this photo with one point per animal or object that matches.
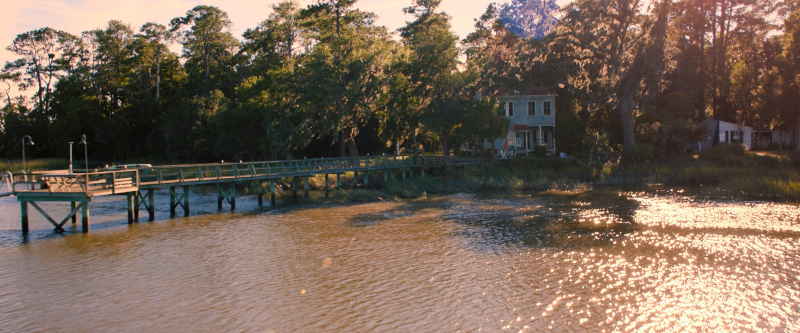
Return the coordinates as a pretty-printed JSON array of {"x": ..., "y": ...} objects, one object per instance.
[
  {"x": 102, "y": 182},
  {"x": 128, "y": 180},
  {"x": 215, "y": 172}
]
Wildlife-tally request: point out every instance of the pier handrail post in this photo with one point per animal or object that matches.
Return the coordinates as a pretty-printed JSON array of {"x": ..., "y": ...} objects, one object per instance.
[{"x": 113, "y": 183}]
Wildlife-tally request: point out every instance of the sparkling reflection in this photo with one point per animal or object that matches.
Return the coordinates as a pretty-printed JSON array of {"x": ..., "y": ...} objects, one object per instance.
[{"x": 605, "y": 260}]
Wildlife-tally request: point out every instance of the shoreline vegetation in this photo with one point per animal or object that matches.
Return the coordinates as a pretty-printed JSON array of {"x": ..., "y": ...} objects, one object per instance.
[{"x": 724, "y": 172}]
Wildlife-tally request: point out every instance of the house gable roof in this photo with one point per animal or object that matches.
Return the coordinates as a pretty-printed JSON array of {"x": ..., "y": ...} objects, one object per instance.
[{"x": 529, "y": 91}]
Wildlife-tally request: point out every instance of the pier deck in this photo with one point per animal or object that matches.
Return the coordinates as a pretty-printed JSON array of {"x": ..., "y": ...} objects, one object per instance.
[{"x": 138, "y": 184}]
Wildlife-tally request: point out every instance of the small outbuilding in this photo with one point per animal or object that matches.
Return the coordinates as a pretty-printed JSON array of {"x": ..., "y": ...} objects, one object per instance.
[{"x": 723, "y": 132}]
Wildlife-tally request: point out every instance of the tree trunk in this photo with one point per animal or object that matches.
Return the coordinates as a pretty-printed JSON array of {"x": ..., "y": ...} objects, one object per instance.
[
  {"x": 158, "y": 78},
  {"x": 797, "y": 135},
  {"x": 352, "y": 147},
  {"x": 625, "y": 111},
  {"x": 342, "y": 145},
  {"x": 649, "y": 59},
  {"x": 445, "y": 146}
]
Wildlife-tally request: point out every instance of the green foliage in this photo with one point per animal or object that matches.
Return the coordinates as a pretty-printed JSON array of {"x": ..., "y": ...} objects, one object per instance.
[
  {"x": 309, "y": 78},
  {"x": 726, "y": 154}
]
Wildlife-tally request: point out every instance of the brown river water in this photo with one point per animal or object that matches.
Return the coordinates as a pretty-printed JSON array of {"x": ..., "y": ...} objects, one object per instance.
[{"x": 608, "y": 261}]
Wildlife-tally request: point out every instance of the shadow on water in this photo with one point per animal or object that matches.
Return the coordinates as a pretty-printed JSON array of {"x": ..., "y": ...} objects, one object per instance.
[
  {"x": 407, "y": 209},
  {"x": 14, "y": 238},
  {"x": 551, "y": 220},
  {"x": 595, "y": 218}
]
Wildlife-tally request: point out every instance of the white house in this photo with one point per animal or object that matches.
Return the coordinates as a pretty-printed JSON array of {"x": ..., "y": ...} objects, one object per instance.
[
  {"x": 722, "y": 132},
  {"x": 532, "y": 121}
]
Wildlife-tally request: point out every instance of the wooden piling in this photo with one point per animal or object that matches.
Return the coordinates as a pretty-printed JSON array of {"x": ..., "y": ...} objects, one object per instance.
[
  {"x": 151, "y": 209},
  {"x": 23, "y": 215},
  {"x": 186, "y": 201},
  {"x": 326, "y": 187},
  {"x": 173, "y": 203},
  {"x": 295, "y": 197},
  {"x": 85, "y": 216},
  {"x": 129, "y": 199},
  {"x": 273, "y": 200},
  {"x": 220, "y": 197},
  {"x": 233, "y": 197},
  {"x": 137, "y": 200},
  {"x": 72, "y": 206}
]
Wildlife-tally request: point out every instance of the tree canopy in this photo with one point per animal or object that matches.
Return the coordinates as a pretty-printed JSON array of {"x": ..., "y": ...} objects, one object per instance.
[{"x": 632, "y": 76}]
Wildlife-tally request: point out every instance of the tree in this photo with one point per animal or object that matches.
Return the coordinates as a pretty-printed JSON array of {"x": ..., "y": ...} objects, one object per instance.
[
  {"x": 613, "y": 42},
  {"x": 792, "y": 73},
  {"x": 39, "y": 64},
  {"x": 207, "y": 47},
  {"x": 433, "y": 55},
  {"x": 343, "y": 72}
]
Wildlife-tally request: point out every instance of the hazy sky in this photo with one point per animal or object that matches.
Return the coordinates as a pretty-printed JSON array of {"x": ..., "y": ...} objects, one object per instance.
[{"x": 75, "y": 16}]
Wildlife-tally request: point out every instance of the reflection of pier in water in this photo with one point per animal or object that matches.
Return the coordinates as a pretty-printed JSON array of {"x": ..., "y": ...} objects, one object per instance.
[{"x": 139, "y": 184}]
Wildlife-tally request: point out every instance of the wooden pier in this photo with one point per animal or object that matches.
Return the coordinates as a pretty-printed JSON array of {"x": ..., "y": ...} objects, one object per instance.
[{"x": 139, "y": 184}]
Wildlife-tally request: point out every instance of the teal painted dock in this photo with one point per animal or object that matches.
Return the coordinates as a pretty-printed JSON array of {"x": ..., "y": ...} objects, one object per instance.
[{"x": 138, "y": 184}]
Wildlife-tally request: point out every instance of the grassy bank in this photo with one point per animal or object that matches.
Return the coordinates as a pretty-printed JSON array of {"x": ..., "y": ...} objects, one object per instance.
[
  {"x": 724, "y": 172},
  {"x": 730, "y": 171},
  {"x": 36, "y": 164}
]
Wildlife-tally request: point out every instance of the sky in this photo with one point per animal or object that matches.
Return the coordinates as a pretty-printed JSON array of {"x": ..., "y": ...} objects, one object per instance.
[{"x": 76, "y": 16}]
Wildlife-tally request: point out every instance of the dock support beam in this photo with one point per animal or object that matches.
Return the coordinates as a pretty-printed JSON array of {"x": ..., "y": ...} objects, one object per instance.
[
  {"x": 186, "y": 201},
  {"x": 73, "y": 206},
  {"x": 273, "y": 200},
  {"x": 173, "y": 202},
  {"x": 232, "y": 199},
  {"x": 137, "y": 202},
  {"x": 129, "y": 199},
  {"x": 295, "y": 197},
  {"x": 220, "y": 197},
  {"x": 151, "y": 207},
  {"x": 85, "y": 216},
  {"x": 226, "y": 194},
  {"x": 307, "y": 188},
  {"x": 23, "y": 215},
  {"x": 327, "y": 187}
]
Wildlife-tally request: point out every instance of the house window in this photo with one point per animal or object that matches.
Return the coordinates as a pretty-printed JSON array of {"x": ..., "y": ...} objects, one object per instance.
[
  {"x": 510, "y": 109},
  {"x": 531, "y": 108},
  {"x": 546, "y": 108}
]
